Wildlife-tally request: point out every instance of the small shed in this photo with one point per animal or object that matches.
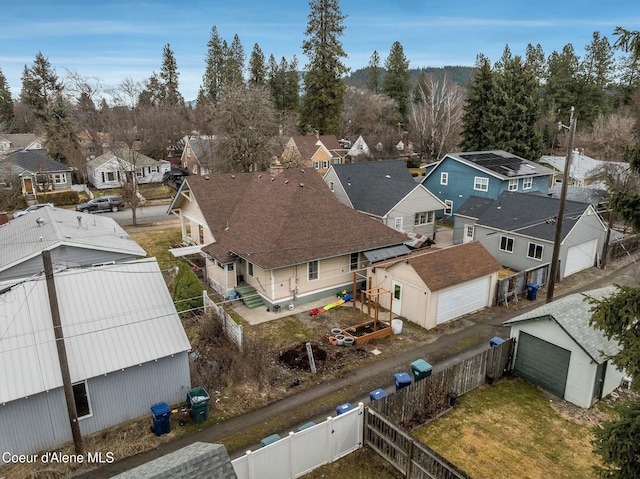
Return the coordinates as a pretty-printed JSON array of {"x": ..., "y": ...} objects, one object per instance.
[{"x": 559, "y": 351}]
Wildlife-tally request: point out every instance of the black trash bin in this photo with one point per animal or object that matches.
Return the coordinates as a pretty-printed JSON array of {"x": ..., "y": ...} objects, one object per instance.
[
  {"x": 198, "y": 404},
  {"x": 532, "y": 291},
  {"x": 161, "y": 415}
]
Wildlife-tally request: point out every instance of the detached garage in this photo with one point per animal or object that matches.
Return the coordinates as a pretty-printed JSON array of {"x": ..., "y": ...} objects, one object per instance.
[
  {"x": 557, "y": 350},
  {"x": 433, "y": 286}
]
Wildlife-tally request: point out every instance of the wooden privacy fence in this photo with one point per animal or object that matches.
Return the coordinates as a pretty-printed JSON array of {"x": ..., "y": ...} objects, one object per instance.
[
  {"x": 623, "y": 247},
  {"x": 232, "y": 330},
  {"x": 432, "y": 394},
  {"x": 407, "y": 454},
  {"x": 427, "y": 398}
]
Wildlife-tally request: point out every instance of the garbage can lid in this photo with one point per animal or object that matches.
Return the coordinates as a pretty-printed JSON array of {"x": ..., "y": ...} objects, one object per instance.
[{"x": 160, "y": 408}]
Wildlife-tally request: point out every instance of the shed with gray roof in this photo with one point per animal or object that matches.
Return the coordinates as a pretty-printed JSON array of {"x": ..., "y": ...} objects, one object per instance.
[{"x": 558, "y": 350}]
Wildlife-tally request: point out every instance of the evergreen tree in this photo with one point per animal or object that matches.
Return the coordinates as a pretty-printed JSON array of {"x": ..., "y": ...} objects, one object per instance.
[
  {"x": 536, "y": 63},
  {"x": 187, "y": 290},
  {"x": 212, "y": 78},
  {"x": 561, "y": 88},
  {"x": 596, "y": 75},
  {"x": 170, "y": 96},
  {"x": 276, "y": 81},
  {"x": 396, "y": 84},
  {"x": 324, "y": 86},
  {"x": 40, "y": 86},
  {"x": 374, "y": 73},
  {"x": 421, "y": 89},
  {"x": 479, "y": 111},
  {"x": 233, "y": 69},
  {"x": 518, "y": 109},
  {"x": 257, "y": 67},
  {"x": 62, "y": 143},
  {"x": 292, "y": 86},
  {"x": 6, "y": 105}
]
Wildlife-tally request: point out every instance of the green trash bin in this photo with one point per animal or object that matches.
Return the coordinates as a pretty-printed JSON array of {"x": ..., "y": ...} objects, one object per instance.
[{"x": 198, "y": 404}]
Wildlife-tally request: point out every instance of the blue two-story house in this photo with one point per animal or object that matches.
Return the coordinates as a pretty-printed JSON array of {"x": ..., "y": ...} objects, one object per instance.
[{"x": 484, "y": 174}]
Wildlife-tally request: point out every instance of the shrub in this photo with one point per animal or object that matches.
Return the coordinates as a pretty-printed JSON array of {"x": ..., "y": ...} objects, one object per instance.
[
  {"x": 187, "y": 290},
  {"x": 60, "y": 198}
]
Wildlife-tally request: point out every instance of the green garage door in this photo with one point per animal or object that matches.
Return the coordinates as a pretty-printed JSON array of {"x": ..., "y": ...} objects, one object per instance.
[{"x": 542, "y": 363}]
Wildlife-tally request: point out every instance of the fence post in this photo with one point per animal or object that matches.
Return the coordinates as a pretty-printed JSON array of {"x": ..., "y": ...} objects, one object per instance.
[{"x": 409, "y": 460}]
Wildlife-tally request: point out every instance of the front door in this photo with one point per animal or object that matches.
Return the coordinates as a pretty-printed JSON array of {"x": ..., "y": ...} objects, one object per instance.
[
  {"x": 28, "y": 186},
  {"x": 396, "y": 306}
]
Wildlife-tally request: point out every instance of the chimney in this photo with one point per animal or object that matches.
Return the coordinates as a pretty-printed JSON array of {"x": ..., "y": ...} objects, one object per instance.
[
  {"x": 317, "y": 133},
  {"x": 79, "y": 221}
]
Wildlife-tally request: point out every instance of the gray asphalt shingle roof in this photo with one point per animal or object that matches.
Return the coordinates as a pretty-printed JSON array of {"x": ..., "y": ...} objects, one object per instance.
[
  {"x": 572, "y": 314},
  {"x": 36, "y": 161},
  {"x": 528, "y": 214},
  {"x": 375, "y": 186}
]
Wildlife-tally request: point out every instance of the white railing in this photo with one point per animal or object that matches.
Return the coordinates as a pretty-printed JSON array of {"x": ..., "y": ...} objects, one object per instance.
[{"x": 301, "y": 452}]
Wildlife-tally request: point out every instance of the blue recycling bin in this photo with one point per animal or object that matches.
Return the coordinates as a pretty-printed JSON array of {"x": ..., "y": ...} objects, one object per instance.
[
  {"x": 493, "y": 342},
  {"x": 377, "y": 394},
  {"x": 161, "y": 415},
  {"x": 402, "y": 380},
  {"x": 421, "y": 369},
  {"x": 344, "y": 408},
  {"x": 532, "y": 291}
]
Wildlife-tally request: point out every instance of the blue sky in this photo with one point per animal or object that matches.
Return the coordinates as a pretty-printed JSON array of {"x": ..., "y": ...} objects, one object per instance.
[{"x": 116, "y": 39}]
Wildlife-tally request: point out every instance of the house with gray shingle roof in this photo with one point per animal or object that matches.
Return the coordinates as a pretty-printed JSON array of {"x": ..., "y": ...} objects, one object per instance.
[
  {"x": 558, "y": 350},
  {"x": 74, "y": 239},
  {"x": 198, "y": 155},
  {"x": 518, "y": 229},
  {"x": 284, "y": 234},
  {"x": 20, "y": 141},
  {"x": 431, "y": 287},
  {"x": 36, "y": 171},
  {"x": 386, "y": 191},
  {"x": 584, "y": 170}
]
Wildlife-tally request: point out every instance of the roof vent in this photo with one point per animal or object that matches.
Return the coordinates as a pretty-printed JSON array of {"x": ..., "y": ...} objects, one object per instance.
[
  {"x": 206, "y": 177},
  {"x": 301, "y": 185},
  {"x": 40, "y": 221},
  {"x": 302, "y": 170},
  {"x": 387, "y": 176},
  {"x": 286, "y": 182},
  {"x": 233, "y": 177}
]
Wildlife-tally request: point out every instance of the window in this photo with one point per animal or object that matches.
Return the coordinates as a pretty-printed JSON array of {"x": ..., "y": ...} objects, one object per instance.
[
  {"x": 506, "y": 244},
  {"x": 444, "y": 178},
  {"x": 535, "y": 251},
  {"x": 331, "y": 185},
  {"x": 194, "y": 169},
  {"x": 316, "y": 165},
  {"x": 312, "y": 270},
  {"x": 423, "y": 218},
  {"x": 481, "y": 184},
  {"x": 292, "y": 149},
  {"x": 153, "y": 169},
  {"x": 200, "y": 234},
  {"x": 109, "y": 176},
  {"x": 336, "y": 161},
  {"x": 188, "y": 152},
  {"x": 527, "y": 183},
  {"x": 325, "y": 164},
  {"x": 230, "y": 267},
  {"x": 397, "y": 223},
  {"x": 353, "y": 261},
  {"x": 250, "y": 269},
  {"x": 59, "y": 178},
  {"x": 139, "y": 172},
  {"x": 81, "y": 398},
  {"x": 448, "y": 209},
  {"x": 468, "y": 231},
  {"x": 513, "y": 185}
]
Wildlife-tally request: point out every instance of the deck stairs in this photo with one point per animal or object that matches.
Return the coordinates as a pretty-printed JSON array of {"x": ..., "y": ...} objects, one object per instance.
[{"x": 249, "y": 296}]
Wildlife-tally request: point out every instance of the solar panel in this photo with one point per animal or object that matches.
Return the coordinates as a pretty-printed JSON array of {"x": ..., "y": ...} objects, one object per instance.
[{"x": 503, "y": 165}]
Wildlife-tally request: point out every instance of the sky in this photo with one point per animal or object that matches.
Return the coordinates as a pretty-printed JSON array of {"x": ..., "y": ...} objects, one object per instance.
[{"x": 113, "y": 40}]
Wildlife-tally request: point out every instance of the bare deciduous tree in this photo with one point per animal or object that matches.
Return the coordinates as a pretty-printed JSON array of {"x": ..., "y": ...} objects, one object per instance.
[
  {"x": 436, "y": 118},
  {"x": 608, "y": 136}
]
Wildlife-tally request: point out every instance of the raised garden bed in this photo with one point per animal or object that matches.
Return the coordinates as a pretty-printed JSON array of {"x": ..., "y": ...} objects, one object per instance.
[{"x": 368, "y": 331}]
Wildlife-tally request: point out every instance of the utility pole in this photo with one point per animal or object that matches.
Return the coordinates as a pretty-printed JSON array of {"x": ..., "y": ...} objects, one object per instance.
[
  {"x": 62, "y": 352},
  {"x": 563, "y": 197}
]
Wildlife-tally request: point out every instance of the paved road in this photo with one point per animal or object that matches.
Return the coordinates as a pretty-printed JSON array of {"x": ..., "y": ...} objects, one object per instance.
[
  {"x": 144, "y": 215},
  {"x": 474, "y": 333}
]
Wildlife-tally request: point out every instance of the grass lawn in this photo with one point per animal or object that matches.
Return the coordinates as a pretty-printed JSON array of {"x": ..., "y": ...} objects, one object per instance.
[
  {"x": 157, "y": 242},
  {"x": 512, "y": 430}
]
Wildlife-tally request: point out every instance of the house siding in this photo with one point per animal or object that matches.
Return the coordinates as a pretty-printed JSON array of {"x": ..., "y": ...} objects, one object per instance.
[
  {"x": 68, "y": 255},
  {"x": 589, "y": 227},
  {"x": 40, "y": 422},
  {"x": 461, "y": 182},
  {"x": 582, "y": 369},
  {"x": 418, "y": 201}
]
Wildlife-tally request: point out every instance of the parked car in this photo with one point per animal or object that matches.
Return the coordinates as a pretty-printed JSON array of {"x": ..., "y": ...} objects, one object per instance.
[
  {"x": 174, "y": 177},
  {"x": 31, "y": 208},
  {"x": 102, "y": 203}
]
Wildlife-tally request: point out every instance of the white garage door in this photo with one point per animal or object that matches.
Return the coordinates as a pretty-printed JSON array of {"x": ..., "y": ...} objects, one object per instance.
[
  {"x": 581, "y": 256},
  {"x": 463, "y": 299}
]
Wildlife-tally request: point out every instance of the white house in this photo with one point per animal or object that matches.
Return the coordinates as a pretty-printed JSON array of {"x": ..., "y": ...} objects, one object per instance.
[
  {"x": 558, "y": 350},
  {"x": 125, "y": 344},
  {"x": 113, "y": 168}
]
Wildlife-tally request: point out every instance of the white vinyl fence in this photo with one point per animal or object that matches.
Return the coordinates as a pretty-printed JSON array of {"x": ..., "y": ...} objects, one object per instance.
[
  {"x": 301, "y": 452},
  {"x": 232, "y": 329}
]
